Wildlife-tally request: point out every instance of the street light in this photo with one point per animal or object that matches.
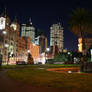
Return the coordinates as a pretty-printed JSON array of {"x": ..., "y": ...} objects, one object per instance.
[
  {"x": 47, "y": 50},
  {"x": 4, "y": 32},
  {"x": 28, "y": 51},
  {"x": 6, "y": 45},
  {"x": 70, "y": 55},
  {"x": 33, "y": 44}
]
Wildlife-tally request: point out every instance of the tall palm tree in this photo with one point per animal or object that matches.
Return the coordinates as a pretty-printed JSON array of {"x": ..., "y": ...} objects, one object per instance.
[{"x": 80, "y": 23}]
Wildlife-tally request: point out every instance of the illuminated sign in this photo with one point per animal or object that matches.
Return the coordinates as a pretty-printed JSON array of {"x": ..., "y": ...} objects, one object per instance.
[{"x": 2, "y": 23}]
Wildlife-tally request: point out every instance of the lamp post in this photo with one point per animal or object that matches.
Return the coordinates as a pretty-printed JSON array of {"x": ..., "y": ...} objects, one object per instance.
[
  {"x": 47, "y": 50},
  {"x": 4, "y": 32},
  {"x": 28, "y": 52},
  {"x": 5, "y": 45},
  {"x": 70, "y": 56}
]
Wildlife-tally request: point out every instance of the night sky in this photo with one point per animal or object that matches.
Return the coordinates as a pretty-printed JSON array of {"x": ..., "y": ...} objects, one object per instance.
[{"x": 46, "y": 13}]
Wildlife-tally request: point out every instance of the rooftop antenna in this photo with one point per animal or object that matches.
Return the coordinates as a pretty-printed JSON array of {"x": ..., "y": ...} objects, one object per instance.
[
  {"x": 30, "y": 20},
  {"x": 15, "y": 19},
  {"x": 5, "y": 12},
  {"x": 61, "y": 21}
]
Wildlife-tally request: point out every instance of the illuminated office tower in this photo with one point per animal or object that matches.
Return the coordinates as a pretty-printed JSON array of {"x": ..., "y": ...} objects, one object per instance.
[
  {"x": 41, "y": 41},
  {"x": 28, "y": 30},
  {"x": 56, "y": 36}
]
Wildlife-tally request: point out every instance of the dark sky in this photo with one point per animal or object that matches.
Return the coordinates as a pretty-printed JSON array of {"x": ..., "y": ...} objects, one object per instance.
[{"x": 45, "y": 13}]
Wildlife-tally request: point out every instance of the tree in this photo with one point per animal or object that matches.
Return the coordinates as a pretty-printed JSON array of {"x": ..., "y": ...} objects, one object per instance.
[
  {"x": 80, "y": 23},
  {"x": 30, "y": 59},
  {"x": 61, "y": 57}
]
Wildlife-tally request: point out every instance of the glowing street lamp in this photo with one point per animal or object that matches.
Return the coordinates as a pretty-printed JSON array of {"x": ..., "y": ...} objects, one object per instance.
[
  {"x": 68, "y": 53},
  {"x": 28, "y": 51},
  {"x": 47, "y": 49},
  {"x": 4, "y": 32},
  {"x": 6, "y": 45},
  {"x": 33, "y": 44}
]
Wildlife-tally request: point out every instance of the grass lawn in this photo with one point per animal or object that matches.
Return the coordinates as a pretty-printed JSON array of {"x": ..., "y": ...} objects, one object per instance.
[
  {"x": 46, "y": 66},
  {"x": 38, "y": 76}
]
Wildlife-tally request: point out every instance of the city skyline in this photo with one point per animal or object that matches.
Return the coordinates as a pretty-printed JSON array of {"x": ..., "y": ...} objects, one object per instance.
[{"x": 44, "y": 14}]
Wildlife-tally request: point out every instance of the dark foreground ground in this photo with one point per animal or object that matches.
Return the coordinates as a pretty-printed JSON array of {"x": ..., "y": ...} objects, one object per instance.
[
  {"x": 13, "y": 84},
  {"x": 9, "y": 85}
]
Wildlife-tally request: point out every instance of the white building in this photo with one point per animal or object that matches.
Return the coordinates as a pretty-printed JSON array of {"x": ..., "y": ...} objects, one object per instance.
[
  {"x": 28, "y": 30},
  {"x": 56, "y": 36}
]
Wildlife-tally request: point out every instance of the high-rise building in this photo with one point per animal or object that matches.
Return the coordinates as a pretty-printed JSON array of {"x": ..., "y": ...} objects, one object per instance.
[
  {"x": 56, "y": 36},
  {"x": 42, "y": 42},
  {"x": 28, "y": 30}
]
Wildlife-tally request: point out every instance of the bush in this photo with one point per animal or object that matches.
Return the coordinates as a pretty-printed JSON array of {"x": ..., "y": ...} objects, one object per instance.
[
  {"x": 50, "y": 61},
  {"x": 61, "y": 57}
]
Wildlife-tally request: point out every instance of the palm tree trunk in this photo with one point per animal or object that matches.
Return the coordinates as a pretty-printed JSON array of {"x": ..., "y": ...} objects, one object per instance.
[
  {"x": 82, "y": 35},
  {"x": 83, "y": 43}
]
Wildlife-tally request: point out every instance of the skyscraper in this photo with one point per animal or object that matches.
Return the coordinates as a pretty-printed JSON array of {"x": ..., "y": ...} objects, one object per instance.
[
  {"x": 56, "y": 36},
  {"x": 28, "y": 30},
  {"x": 42, "y": 42}
]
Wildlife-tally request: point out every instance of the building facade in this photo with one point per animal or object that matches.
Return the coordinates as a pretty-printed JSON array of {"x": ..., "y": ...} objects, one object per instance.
[
  {"x": 9, "y": 35},
  {"x": 35, "y": 52},
  {"x": 42, "y": 42},
  {"x": 14, "y": 48},
  {"x": 56, "y": 36},
  {"x": 28, "y": 30},
  {"x": 21, "y": 50}
]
